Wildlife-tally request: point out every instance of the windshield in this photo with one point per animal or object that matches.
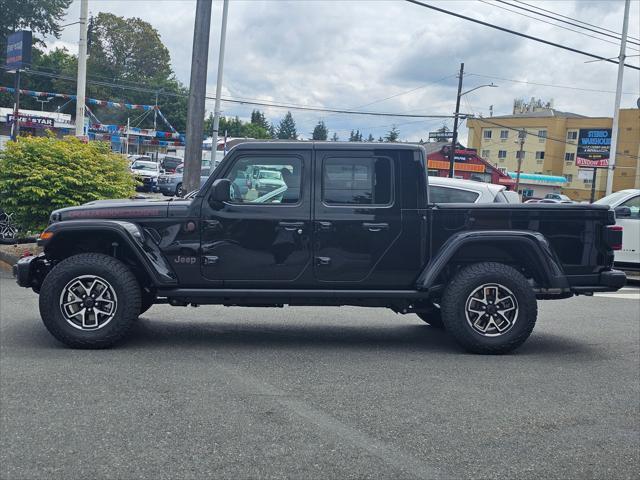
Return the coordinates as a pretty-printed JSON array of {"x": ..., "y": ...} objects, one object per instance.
[
  {"x": 147, "y": 166},
  {"x": 611, "y": 199}
]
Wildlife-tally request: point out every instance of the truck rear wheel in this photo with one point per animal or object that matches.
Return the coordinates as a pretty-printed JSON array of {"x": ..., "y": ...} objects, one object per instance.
[
  {"x": 489, "y": 308},
  {"x": 89, "y": 301}
]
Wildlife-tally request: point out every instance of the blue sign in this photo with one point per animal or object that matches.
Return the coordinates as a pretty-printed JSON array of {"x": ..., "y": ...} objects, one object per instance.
[{"x": 19, "y": 50}]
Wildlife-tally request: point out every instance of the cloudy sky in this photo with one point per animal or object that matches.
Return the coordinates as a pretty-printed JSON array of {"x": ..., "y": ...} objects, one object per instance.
[{"x": 354, "y": 54}]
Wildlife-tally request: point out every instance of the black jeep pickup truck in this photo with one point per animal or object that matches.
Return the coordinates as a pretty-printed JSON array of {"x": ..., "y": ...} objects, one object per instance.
[{"x": 343, "y": 224}]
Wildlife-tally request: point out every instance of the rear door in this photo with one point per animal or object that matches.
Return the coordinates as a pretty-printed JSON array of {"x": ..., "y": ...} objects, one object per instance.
[
  {"x": 357, "y": 218},
  {"x": 630, "y": 252}
]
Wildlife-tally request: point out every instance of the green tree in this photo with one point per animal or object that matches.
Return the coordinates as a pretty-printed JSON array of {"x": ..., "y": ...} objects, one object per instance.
[
  {"x": 380, "y": 139},
  {"x": 355, "y": 136},
  {"x": 129, "y": 51},
  {"x": 334, "y": 137},
  {"x": 370, "y": 138},
  {"x": 320, "y": 132},
  {"x": 393, "y": 135},
  {"x": 42, "y": 17},
  {"x": 258, "y": 118},
  {"x": 41, "y": 174},
  {"x": 287, "y": 128}
]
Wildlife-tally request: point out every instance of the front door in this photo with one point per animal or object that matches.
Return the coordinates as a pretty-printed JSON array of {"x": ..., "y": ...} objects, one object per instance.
[
  {"x": 262, "y": 236},
  {"x": 630, "y": 252},
  {"x": 357, "y": 219}
]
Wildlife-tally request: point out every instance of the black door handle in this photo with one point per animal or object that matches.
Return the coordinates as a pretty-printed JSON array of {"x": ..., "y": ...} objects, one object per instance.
[
  {"x": 324, "y": 225},
  {"x": 291, "y": 226},
  {"x": 375, "y": 227}
]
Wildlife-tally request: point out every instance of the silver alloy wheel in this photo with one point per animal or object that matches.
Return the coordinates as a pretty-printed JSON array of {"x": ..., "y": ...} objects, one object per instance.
[
  {"x": 88, "y": 302},
  {"x": 491, "y": 309}
]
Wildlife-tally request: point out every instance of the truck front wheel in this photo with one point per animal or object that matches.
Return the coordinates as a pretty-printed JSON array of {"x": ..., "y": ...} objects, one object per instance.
[
  {"x": 489, "y": 308},
  {"x": 89, "y": 301}
]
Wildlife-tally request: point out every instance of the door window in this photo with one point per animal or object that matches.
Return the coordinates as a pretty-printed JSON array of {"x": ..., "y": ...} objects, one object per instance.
[
  {"x": 451, "y": 195},
  {"x": 634, "y": 206},
  {"x": 357, "y": 181},
  {"x": 268, "y": 180}
]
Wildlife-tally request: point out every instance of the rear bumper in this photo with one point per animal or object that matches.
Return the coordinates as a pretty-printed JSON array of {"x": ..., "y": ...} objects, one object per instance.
[{"x": 608, "y": 281}]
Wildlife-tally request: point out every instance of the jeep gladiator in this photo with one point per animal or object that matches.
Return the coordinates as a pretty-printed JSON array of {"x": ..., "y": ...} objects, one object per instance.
[{"x": 351, "y": 224}]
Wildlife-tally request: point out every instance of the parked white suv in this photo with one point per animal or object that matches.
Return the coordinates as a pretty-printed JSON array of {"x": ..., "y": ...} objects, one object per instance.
[
  {"x": 455, "y": 190},
  {"x": 626, "y": 204}
]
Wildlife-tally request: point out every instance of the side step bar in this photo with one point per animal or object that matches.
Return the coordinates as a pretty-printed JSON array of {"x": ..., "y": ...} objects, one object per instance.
[{"x": 275, "y": 296}]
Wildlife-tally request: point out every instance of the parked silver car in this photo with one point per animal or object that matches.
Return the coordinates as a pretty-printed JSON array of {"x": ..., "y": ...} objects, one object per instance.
[{"x": 170, "y": 184}]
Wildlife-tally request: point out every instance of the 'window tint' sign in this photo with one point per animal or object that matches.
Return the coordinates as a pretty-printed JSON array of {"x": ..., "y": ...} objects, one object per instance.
[
  {"x": 594, "y": 146},
  {"x": 19, "y": 50}
]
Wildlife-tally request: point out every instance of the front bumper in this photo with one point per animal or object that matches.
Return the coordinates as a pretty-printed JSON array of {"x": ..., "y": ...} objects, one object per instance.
[{"x": 30, "y": 271}]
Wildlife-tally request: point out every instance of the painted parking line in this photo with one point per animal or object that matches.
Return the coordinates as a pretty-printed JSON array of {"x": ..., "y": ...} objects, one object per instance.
[{"x": 626, "y": 293}]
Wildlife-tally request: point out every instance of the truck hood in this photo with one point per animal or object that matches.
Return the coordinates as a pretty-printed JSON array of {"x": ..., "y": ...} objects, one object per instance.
[{"x": 123, "y": 210}]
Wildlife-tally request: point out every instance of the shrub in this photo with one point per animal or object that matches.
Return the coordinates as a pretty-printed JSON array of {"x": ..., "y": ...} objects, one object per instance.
[{"x": 41, "y": 174}]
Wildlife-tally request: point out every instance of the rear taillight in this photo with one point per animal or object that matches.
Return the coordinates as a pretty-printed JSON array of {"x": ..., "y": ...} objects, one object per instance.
[{"x": 614, "y": 237}]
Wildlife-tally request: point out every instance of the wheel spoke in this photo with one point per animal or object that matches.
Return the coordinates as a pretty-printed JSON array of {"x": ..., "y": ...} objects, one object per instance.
[
  {"x": 491, "y": 309},
  {"x": 88, "y": 302}
]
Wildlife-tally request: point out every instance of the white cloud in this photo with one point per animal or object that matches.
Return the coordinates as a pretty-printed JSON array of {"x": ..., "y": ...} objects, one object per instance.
[{"x": 350, "y": 53}]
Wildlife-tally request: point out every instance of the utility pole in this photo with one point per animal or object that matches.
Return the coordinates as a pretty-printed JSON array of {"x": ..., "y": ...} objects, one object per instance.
[
  {"x": 593, "y": 185},
  {"x": 197, "y": 93},
  {"x": 454, "y": 138},
  {"x": 82, "y": 68},
  {"x": 522, "y": 134},
  {"x": 616, "y": 112},
  {"x": 216, "y": 111},
  {"x": 15, "y": 128}
]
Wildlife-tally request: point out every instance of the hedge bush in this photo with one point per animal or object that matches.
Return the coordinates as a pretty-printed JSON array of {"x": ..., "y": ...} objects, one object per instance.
[{"x": 41, "y": 174}]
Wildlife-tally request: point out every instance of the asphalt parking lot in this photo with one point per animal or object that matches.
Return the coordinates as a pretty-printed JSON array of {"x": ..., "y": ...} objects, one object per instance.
[{"x": 321, "y": 393}]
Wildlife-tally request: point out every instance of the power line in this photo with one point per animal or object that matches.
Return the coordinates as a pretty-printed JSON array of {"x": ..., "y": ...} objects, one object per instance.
[
  {"x": 555, "y": 24},
  {"x": 574, "y": 19},
  {"x": 617, "y": 37},
  {"x": 548, "y": 85},
  {"x": 266, "y": 104},
  {"x": 524, "y": 35}
]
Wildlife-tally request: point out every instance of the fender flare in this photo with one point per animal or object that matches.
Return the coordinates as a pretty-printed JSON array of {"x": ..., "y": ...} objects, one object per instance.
[
  {"x": 537, "y": 254},
  {"x": 145, "y": 250}
]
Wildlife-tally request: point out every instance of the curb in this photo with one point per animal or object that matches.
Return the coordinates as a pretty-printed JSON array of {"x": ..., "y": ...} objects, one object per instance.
[{"x": 9, "y": 259}]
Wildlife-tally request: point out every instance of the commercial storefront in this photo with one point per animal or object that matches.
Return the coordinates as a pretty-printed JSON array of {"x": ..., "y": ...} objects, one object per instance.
[
  {"x": 35, "y": 123},
  {"x": 468, "y": 165}
]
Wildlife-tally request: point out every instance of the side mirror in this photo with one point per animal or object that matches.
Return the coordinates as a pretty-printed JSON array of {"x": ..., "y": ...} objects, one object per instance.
[
  {"x": 221, "y": 190},
  {"x": 622, "y": 211}
]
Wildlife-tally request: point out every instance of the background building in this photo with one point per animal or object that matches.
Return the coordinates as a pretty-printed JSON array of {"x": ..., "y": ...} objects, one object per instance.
[
  {"x": 551, "y": 144},
  {"x": 468, "y": 165}
]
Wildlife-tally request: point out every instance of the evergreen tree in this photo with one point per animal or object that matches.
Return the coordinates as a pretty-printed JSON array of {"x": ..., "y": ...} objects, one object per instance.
[
  {"x": 287, "y": 128},
  {"x": 352, "y": 136},
  {"x": 370, "y": 138},
  {"x": 380, "y": 139},
  {"x": 258, "y": 118},
  {"x": 272, "y": 131},
  {"x": 393, "y": 135},
  {"x": 320, "y": 131},
  {"x": 335, "y": 137}
]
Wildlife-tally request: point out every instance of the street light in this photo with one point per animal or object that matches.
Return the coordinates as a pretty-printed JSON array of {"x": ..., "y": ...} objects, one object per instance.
[
  {"x": 42, "y": 102},
  {"x": 454, "y": 138}
]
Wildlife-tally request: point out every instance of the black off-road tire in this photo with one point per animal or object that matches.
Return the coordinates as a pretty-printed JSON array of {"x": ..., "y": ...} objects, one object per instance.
[
  {"x": 120, "y": 278},
  {"x": 433, "y": 317},
  {"x": 454, "y": 304}
]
